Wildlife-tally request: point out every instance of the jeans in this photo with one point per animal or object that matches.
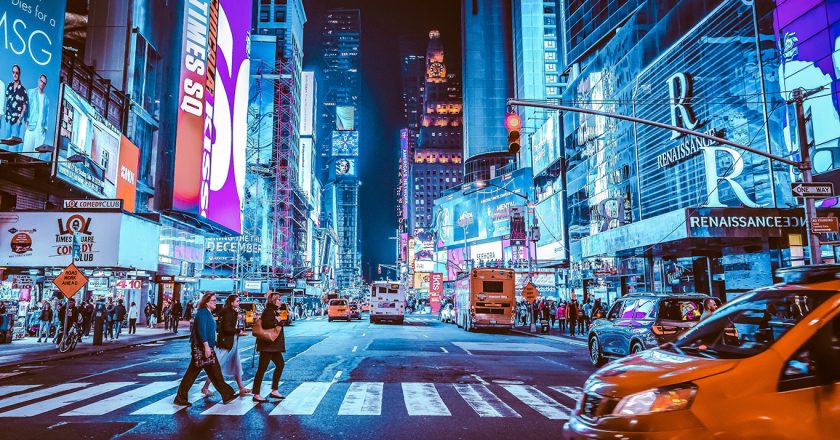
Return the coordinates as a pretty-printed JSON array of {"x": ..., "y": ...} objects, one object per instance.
[
  {"x": 44, "y": 329},
  {"x": 109, "y": 329},
  {"x": 265, "y": 358},
  {"x": 132, "y": 326},
  {"x": 572, "y": 326},
  {"x": 174, "y": 325},
  {"x": 118, "y": 328},
  {"x": 214, "y": 372}
]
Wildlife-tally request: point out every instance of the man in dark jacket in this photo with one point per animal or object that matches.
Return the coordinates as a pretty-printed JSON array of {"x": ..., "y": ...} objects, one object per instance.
[
  {"x": 270, "y": 351},
  {"x": 177, "y": 310},
  {"x": 119, "y": 315},
  {"x": 572, "y": 314}
]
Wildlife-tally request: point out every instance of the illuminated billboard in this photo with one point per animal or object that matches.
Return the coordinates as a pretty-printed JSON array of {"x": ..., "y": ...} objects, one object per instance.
[
  {"x": 31, "y": 34},
  {"x": 345, "y": 117},
  {"x": 307, "y": 103},
  {"x": 209, "y": 172},
  {"x": 424, "y": 244},
  {"x": 345, "y": 143},
  {"x": 127, "y": 174},
  {"x": 545, "y": 144},
  {"x": 345, "y": 167}
]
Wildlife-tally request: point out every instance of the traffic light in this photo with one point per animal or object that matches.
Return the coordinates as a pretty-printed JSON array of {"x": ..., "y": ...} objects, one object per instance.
[
  {"x": 379, "y": 269},
  {"x": 513, "y": 123}
]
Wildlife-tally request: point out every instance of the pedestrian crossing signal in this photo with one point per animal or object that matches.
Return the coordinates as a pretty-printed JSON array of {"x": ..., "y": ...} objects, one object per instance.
[{"x": 513, "y": 123}]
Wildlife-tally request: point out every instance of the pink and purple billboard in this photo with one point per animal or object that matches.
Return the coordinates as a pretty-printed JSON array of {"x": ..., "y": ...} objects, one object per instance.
[{"x": 209, "y": 173}]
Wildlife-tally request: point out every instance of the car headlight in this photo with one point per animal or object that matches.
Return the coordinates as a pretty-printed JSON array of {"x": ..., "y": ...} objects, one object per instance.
[{"x": 673, "y": 398}]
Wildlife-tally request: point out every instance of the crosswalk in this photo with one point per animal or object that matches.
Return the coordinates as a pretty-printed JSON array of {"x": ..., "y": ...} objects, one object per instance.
[
  {"x": 407, "y": 319},
  {"x": 418, "y": 399}
]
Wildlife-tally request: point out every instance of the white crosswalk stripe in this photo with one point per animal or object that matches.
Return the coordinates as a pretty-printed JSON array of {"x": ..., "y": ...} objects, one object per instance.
[
  {"x": 539, "y": 401},
  {"x": 64, "y": 400},
  {"x": 37, "y": 394},
  {"x": 422, "y": 399},
  {"x": 121, "y": 400},
  {"x": 484, "y": 402},
  {"x": 303, "y": 400},
  {"x": 362, "y": 399}
]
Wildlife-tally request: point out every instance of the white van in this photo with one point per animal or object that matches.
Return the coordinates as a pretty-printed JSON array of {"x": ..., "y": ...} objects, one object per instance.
[{"x": 387, "y": 302}]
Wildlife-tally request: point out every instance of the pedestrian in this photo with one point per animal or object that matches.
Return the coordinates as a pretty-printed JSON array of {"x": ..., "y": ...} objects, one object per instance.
[
  {"x": 572, "y": 316},
  {"x": 202, "y": 357},
  {"x": 227, "y": 345},
  {"x": 133, "y": 315},
  {"x": 189, "y": 310},
  {"x": 56, "y": 321},
  {"x": 147, "y": 312},
  {"x": 176, "y": 315},
  {"x": 581, "y": 321},
  {"x": 167, "y": 315},
  {"x": 561, "y": 316},
  {"x": 709, "y": 307},
  {"x": 153, "y": 317},
  {"x": 587, "y": 314},
  {"x": 553, "y": 313},
  {"x": 119, "y": 316},
  {"x": 270, "y": 350},
  {"x": 597, "y": 310},
  {"x": 110, "y": 317},
  {"x": 45, "y": 322}
]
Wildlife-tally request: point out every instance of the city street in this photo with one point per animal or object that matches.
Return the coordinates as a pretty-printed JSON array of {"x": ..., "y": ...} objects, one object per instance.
[{"x": 342, "y": 380}]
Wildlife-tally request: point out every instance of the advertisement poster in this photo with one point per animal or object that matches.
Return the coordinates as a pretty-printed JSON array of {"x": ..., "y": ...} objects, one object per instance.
[
  {"x": 209, "y": 173},
  {"x": 345, "y": 167},
  {"x": 31, "y": 35},
  {"x": 345, "y": 143},
  {"x": 436, "y": 283},
  {"x": 424, "y": 244},
  {"x": 127, "y": 177},
  {"x": 345, "y": 117},
  {"x": 87, "y": 136}
]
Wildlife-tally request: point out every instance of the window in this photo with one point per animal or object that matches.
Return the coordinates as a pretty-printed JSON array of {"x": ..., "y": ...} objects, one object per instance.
[
  {"x": 552, "y": 90},
  {"x": 551, "y": 79},
  {"x": 615, "y": 310},
  {"x": 551, "y": 56},
  {"x": 550, "y": 67},
  {"x": 550, "y": 44},
  {"x": 815, "y": 363},
  {"x": 629, "y": 310}
]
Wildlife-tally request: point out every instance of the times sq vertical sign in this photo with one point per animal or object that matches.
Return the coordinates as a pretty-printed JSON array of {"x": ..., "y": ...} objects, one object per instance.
[{"x": 209, "y": 173}]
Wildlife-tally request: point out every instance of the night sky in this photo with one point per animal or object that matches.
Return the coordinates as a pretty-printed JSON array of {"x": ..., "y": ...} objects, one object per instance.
[{"x": 384, "y": 24}]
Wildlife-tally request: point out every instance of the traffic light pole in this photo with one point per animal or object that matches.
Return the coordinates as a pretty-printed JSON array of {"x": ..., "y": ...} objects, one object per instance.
[{"x": 804, "y": 166}]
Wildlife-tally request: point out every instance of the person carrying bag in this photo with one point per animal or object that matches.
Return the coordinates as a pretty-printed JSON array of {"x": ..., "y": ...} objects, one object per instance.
[
  {"x": 271, "y": 343},
  {"x": 202, "y": 356}
]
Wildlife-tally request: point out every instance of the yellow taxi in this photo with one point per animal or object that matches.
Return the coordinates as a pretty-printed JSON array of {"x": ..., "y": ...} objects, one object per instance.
[
  {"x": 284, "y": 314},
  {"x": 338, "y": 309},
  {"x": 252, "y": 311},
  {"x": 766, "y": 365}
]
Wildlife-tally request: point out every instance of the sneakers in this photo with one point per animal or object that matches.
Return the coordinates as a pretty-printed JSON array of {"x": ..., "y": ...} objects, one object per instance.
[
  {"x": 230, "y": 399},
  {"x": 182, "y": 403}
]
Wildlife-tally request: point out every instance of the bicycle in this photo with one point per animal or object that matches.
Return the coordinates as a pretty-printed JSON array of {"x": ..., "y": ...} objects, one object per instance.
[{"x": 74, "y": 336}]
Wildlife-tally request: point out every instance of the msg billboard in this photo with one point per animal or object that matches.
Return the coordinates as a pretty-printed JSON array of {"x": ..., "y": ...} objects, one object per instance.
[
  {"x": 30, "y": 55},
  {"x": 209, "y": 171}
]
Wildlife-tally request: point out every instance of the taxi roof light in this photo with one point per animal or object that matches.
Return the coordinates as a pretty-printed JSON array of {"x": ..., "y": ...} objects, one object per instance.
[{"x": 809, "y": 274}]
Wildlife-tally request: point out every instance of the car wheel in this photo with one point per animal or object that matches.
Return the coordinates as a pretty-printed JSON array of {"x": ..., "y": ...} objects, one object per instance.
[
  {"x": 595, "y": 355},
  {"x": 329, "y": 319},
  {"x": 636, "y": 347}
]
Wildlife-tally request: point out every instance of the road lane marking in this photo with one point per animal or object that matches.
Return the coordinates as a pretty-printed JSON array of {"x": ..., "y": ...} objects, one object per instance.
[
  {"x": 354, "y": 348},
  {"x": 67, "y": 399},
  {"x": 238, "y": 407},
  {"x": 539, "y": 401},
  {"x": 479, "y": 379},
  {"x": 422, "y": 399},
  {"x": 425, "y": 335},
  {"x": 167, "y": 406},
  {"x": 20, "y": 398},
  {"x": 574, "y": 393},
  {"x": 113, "y": 403},
  {"x": 444, "y": 350},
  {"x": 304, "y": 400},
  {"x": 14, "y": 373},
  {"x": 5, "y": 390},
  {"x": 484, "y": 402},
  {"x": 362, "y": 399},
  {"x": 507, "y": 347},
  {"x": 337, "y": 375}
]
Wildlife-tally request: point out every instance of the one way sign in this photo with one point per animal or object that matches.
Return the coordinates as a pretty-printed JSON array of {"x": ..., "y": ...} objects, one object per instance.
[{"x": 816, "y": 190}]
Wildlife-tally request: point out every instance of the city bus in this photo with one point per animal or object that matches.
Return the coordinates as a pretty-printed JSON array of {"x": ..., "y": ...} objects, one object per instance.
[
  {"x": 486, "y": 298},
  {"x": 387, "y": 302}
]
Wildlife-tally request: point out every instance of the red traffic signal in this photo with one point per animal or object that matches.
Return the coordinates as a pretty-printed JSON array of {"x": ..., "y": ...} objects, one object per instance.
[{"x": 513, "y": 123}]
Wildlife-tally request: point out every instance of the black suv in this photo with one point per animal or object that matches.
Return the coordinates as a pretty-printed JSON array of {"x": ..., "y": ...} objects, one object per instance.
[{"x": 643, "y": 320}]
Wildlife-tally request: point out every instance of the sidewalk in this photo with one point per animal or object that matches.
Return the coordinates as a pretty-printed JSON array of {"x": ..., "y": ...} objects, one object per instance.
[
  {"x": 554, "y": 334},
  {"x": 29, "y": 351}
]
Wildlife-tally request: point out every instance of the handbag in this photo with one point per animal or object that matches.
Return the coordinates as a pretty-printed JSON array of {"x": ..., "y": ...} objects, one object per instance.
[
  {"x": 263, "y": 334},
  {"x": 197, "y": 352}
]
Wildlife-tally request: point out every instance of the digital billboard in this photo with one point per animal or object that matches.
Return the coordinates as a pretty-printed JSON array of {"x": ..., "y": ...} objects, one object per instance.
[
  {"x": 94, "y": 145},
  {"x": 345, "y": 143},
  {"x": 424, "y": 244},
  {"x": 30, "y": 55},
  {"x": 209, "y": 172},
  {"x": 545, "y": 143},
  {"x": 127, "y": 174},
  {"x": 307, "y": 103},
  {"x": 345, "y": 117},
  {"x": 345, "y": 167}
]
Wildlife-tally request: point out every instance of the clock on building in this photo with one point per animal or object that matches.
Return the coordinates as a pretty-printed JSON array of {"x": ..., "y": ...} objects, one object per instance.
[{"x": 436, "y": 70}]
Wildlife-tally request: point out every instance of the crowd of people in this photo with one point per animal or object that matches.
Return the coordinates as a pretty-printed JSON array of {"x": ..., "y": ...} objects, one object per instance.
[{"x": 568, "y": 316}]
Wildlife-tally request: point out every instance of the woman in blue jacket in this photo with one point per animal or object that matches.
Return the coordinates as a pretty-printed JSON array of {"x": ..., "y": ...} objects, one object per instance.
[{"x": 204, "y": 338}]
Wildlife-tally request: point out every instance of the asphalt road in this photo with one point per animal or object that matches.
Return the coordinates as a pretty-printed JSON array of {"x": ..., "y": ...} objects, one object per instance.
[{"x": 423, "y": 379}]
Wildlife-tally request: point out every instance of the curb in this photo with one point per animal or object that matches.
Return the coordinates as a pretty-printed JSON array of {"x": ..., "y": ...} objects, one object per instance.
[
  {"x": 101, "y": 349},
  {"x": 553, "y": 338}
]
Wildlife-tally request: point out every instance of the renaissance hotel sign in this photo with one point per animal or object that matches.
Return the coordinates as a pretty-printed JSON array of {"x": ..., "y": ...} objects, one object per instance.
[{"x": 743, "y": 222}]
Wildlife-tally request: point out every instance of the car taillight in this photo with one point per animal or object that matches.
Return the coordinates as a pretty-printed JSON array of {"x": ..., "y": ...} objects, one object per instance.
[{"x": 664, "y": 329}]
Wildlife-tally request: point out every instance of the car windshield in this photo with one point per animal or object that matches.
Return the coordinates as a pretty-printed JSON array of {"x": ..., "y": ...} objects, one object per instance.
[
  {"x": 750, "y": 324},
  {"x": 338, "y": 302}
]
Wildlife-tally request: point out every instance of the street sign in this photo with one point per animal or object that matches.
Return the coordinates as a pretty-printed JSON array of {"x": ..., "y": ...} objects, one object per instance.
[
  {"x": 821, "y": 225},
  {"x": 816, "y": 190},
  {"x": 108, "y": 204},
  {"x": 530, "y": 293},
  {"x": 70, "y": 280}
]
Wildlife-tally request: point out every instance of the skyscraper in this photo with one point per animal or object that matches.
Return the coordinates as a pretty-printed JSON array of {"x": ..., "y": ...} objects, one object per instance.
[
  {"x": 437, "y": 160},
  {"x": 338, "y": 137},
  {"x": 488, "y": 82}
]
